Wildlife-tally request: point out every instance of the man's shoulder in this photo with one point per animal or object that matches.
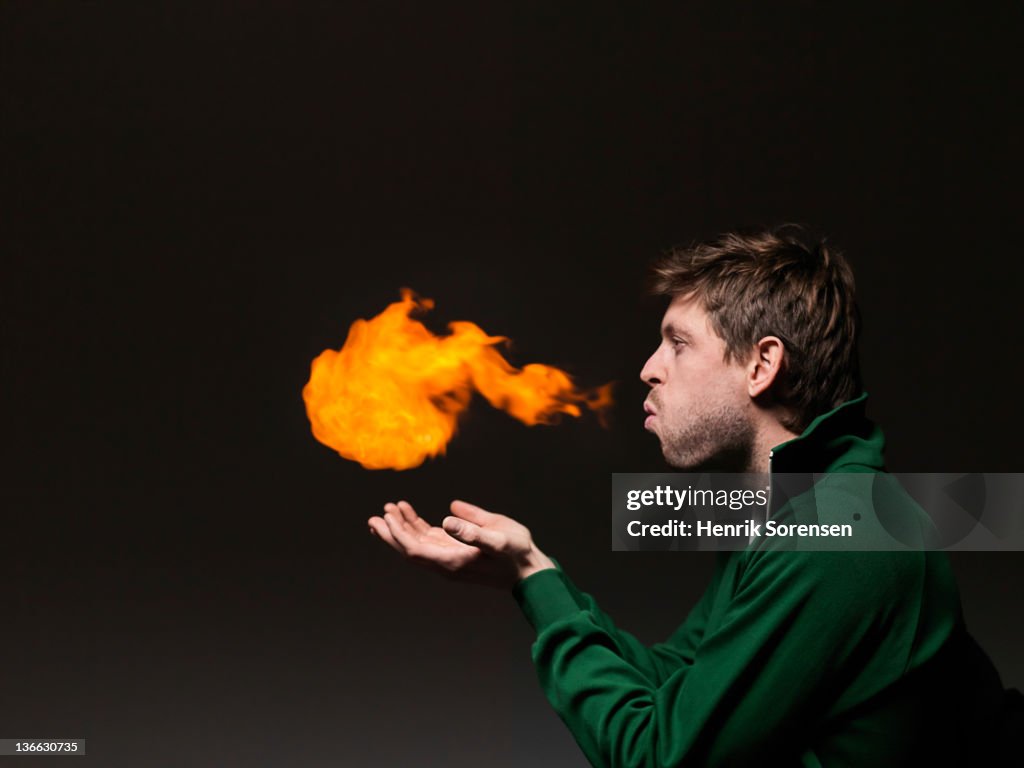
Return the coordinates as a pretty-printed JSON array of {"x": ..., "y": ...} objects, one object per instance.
[
  {"x": 875, "y": 511},
  {"x": 877, "y": 559}
]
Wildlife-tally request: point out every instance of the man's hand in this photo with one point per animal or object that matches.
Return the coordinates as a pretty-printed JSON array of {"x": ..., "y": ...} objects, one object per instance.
[{"x": 472, "y": 545}]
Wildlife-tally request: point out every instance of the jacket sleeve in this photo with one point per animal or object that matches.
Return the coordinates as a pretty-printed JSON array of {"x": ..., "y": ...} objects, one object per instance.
[
  {"x": 791, "y": 620},
  {"x": 657, "y": 662}
]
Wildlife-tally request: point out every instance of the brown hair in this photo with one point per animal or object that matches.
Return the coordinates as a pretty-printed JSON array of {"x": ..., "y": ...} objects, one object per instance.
[{"x": 777, "y": 282}]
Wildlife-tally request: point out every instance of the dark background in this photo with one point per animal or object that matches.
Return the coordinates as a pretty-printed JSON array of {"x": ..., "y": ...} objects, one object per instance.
[{"x": 199, "y": 198}]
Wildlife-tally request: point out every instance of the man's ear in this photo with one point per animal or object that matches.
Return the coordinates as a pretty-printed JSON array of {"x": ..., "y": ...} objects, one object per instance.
[{"x": 766, "y": 363}]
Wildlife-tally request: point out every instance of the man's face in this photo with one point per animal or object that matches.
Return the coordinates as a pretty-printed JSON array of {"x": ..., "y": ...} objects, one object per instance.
[{"x": 699, "y": 405}]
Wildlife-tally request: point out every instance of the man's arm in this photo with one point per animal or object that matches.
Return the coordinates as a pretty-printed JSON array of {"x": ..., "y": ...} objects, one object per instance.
[
  {"x": 794, "y": 622},
  {"x": 756, "y": 681},
  {"x": 487, "y": 548},
  {"x": 658, "y": 661}
]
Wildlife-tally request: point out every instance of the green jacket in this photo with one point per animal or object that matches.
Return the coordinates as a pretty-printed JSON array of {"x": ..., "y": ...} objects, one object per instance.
[{"x": 789, "y": 657}]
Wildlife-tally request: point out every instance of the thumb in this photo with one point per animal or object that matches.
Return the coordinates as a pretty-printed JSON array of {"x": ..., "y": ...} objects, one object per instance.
[
  {"x": 472, "y": 512},
  {"x": 470, "y": 533}
]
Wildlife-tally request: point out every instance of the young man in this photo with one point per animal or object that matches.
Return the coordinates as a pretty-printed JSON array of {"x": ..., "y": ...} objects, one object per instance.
[{"x": 798, "y": 658}]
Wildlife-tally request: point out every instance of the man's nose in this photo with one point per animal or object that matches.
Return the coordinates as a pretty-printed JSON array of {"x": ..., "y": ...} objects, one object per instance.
[{"x": 651, "y": 372}]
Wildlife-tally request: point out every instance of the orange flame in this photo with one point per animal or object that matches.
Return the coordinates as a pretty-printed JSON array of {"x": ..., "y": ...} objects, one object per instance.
[{"x": 391, "y": 396}]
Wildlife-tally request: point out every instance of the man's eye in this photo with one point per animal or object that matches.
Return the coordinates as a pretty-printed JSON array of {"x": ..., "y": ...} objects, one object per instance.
[{"x": 678, "y": 343}]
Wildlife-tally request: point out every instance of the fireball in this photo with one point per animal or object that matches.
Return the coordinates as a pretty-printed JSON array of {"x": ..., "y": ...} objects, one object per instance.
[{"x": 392, "y": 395}]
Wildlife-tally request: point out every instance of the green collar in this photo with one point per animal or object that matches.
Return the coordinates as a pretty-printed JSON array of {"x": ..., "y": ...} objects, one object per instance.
[{"x": 842, "y": 440}]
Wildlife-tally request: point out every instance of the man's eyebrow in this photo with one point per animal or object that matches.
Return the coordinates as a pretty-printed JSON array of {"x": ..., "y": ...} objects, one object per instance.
[{"x": 670, "y": 330}]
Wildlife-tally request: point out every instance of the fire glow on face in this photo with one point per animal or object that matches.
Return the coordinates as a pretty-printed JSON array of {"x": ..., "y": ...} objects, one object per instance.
[{"x": 391, "y": 396}]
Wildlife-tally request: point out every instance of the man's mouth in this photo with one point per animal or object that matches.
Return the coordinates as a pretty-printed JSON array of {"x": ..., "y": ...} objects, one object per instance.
[{"x": 649, "y": 410}]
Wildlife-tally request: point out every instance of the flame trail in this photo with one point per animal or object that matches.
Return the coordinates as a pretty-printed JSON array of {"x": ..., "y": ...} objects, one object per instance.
[{"x": 391, "y": 396}]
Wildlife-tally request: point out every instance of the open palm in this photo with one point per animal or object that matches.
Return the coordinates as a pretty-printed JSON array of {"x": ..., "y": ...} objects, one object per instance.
[{"x": 493, "y": 553}]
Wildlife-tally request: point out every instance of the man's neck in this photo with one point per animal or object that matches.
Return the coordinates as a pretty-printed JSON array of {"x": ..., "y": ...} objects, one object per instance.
[{"x": 768, "y": 436}]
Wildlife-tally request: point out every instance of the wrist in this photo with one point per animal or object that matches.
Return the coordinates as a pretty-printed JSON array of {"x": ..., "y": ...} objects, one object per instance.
[{"x": 534, "y": 562}]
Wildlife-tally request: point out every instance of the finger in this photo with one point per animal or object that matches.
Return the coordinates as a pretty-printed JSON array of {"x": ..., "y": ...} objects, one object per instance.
[
  {"x": 401, "y": 530},
  {"x": 380, "y": 529},
  {"x": 472, "y": 512},
  {"x": 417, "y": 522},
  {"x": 469, "y": 533},
  {"x": 390, "y": 523}
]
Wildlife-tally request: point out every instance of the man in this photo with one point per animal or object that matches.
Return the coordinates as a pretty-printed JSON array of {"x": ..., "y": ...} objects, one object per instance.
[{"x": 799, "y": 658}]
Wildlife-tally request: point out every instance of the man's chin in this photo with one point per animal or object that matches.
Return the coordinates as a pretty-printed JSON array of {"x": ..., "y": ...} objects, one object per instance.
[{"x": 727, "y": 461}]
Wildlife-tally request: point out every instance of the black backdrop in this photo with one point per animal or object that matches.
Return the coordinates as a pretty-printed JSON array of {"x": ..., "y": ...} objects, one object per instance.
[{"x": 199, "y": 198}]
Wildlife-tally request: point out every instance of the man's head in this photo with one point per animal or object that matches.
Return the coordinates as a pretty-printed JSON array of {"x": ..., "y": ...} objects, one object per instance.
[{"x": 760, "y": 337}]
